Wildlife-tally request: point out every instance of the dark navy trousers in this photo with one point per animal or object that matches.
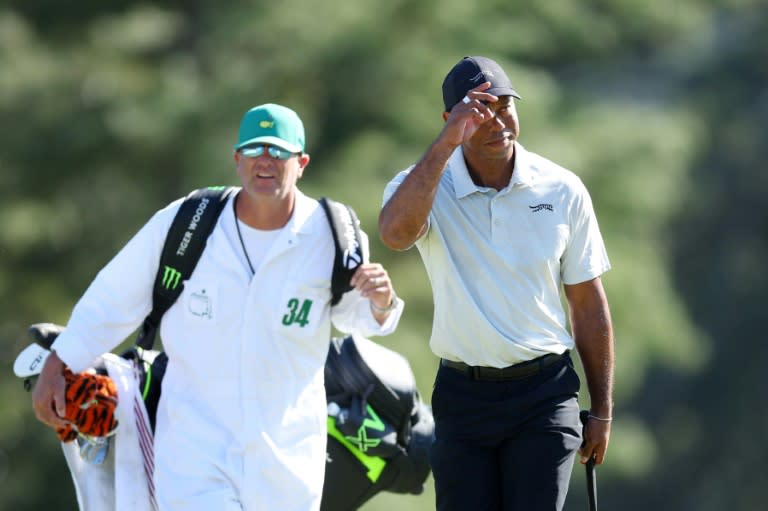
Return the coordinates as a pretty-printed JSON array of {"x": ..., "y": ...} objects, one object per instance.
[{"x": 505, "y": 445}]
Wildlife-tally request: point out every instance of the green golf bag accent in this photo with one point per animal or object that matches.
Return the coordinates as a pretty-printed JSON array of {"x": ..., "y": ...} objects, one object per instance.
[{"x": 379, "y": 430}]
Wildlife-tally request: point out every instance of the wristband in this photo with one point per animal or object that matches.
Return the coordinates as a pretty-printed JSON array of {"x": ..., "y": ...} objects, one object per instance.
[{"x": 601, "y": 419}]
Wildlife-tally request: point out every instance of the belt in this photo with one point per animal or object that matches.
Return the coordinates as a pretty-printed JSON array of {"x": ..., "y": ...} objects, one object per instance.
[{"x": 513, "y": 372}]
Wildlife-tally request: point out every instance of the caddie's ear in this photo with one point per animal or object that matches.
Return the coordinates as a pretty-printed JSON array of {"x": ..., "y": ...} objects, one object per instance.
[
  {"x": 303, "y": 159},
  {"x": 45, "y": 333}
]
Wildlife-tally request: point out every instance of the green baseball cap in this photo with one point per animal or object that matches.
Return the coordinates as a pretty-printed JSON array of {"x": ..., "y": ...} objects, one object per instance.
[{"x": 272, "y": 124}]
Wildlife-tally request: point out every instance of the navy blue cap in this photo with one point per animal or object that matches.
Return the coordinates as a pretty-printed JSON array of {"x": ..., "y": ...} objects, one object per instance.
[{"x": 470, "y": 72}]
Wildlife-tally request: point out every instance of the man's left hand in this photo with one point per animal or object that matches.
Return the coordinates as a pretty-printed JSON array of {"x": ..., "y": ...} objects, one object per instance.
[
  {"x": 596, "y": 435},
  {"x": 373, "y": 282}
]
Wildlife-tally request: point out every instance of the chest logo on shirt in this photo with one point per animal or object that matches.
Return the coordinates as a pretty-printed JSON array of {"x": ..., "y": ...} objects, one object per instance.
[
  {"x": 200, "y": 304},
  {"x": 541, "y": 207},
  {"x": 298, "y": 312}
]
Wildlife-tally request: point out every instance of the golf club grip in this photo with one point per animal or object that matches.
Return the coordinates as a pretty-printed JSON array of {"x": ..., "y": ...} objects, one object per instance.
[
  {"x": 591, "y": 484},
  {"x": 590, "y": 468}
]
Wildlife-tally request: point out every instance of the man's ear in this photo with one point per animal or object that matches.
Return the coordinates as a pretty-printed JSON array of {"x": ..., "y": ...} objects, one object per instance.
[
  {"x": 303, "y": 162},
  {"x": 445, "y": 115}
]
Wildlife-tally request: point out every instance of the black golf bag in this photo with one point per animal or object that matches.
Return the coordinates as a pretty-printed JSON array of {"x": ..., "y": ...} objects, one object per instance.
[{"x": 379, "y": 430}]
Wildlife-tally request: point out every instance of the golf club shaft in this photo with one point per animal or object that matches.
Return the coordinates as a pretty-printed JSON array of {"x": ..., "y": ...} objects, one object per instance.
[{"x": 591, "y": 484}]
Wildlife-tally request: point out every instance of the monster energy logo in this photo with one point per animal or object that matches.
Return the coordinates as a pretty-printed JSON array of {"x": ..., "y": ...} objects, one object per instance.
[
  {"x": 361, "y": 440},
  {"x": 171, "y": 277}
]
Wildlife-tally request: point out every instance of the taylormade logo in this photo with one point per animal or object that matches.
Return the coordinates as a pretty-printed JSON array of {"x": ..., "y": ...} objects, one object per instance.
[
  {"x": 352, "y": 257},
  {"x": 192, "y": 226},
  {"x": 33, "y": 365}
]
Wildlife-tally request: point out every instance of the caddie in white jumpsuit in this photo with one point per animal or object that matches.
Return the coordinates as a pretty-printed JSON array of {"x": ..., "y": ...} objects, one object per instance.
[{"x": 241, "y": 423}]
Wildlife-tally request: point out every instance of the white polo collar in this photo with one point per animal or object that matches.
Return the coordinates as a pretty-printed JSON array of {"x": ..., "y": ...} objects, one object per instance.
[{"x": 523, "y": 174}]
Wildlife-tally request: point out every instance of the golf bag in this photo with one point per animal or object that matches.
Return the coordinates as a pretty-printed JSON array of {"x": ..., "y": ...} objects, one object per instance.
[{"x": 379, "y": 430}]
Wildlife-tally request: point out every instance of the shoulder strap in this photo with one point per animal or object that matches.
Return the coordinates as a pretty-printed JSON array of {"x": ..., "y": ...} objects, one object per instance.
[
  {"x": 348, "y": 242},
  {"x": 183, "y": 247}
]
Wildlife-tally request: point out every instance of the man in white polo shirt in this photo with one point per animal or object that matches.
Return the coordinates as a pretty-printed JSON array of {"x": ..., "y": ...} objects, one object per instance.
[{"x": 501, "y": 231}]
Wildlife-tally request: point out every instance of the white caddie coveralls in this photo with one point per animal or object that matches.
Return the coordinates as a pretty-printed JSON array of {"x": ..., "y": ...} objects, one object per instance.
[{"x": 242, "y": 417}]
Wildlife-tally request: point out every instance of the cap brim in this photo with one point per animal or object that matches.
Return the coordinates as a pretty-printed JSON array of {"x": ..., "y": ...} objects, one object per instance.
[
  {"x": 278, "y": 142},
  {"x": 503, "y": 91}
]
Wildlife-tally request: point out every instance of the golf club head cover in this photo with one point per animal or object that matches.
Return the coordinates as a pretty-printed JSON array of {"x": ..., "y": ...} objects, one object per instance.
[
  {"x": 91, "y": 402},
  {"x": 45, "y": 333}
]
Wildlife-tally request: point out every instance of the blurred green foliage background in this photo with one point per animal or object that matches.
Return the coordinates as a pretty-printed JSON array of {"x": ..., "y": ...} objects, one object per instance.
[{"x": 109, "y": 110}]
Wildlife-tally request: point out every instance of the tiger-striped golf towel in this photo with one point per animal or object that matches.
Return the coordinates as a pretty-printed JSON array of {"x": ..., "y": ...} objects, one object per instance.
[{"x": 123, "y": 481}]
